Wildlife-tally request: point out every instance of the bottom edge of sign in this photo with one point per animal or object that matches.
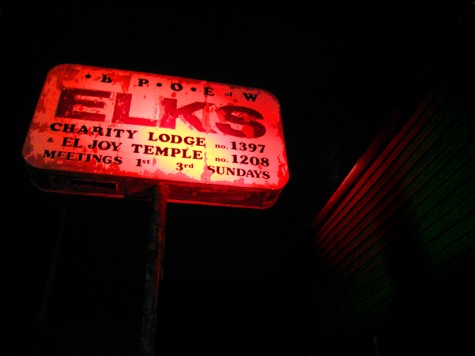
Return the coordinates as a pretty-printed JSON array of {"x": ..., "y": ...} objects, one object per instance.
[{"x": 129, "y": 188}]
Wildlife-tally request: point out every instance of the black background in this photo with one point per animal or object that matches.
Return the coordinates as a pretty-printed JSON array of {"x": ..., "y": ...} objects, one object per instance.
[{"x": 232, "y": 277}]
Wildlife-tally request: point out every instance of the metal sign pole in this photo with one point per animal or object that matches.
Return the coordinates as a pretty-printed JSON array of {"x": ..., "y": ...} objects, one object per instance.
[{"x": 154, "y": 271}]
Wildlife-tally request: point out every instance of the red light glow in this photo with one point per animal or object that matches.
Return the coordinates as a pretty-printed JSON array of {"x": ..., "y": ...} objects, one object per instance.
[{"x": 140, "y": 127}]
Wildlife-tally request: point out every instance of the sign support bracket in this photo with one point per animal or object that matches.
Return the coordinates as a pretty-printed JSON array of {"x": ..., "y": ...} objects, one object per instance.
[{"x": 154, "y": 269}]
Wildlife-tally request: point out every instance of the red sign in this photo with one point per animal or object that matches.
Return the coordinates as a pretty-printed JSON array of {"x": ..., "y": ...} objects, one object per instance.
[{"x": 109, "y": 132}]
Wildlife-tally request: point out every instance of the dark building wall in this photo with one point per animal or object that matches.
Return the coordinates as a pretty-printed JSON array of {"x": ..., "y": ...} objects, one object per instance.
[{"x": 395, "y": 244}]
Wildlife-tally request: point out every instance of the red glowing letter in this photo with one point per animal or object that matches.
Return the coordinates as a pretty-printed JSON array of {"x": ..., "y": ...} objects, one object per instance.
[
  {"x": 122, "y": 110},
  {"x": 70, "y": 104},
  {"x": 171, "y": 113},
  {"x": 242, "y": 116}
]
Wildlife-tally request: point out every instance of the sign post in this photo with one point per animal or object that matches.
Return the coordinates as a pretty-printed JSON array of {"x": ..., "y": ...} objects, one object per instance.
[
  {"x": 154, "y": 270},
  {"x": 122, "y": 134}
]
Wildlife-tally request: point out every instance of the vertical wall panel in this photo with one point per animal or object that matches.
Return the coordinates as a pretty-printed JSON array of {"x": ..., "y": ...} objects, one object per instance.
[{"x": 402, "y": 224}]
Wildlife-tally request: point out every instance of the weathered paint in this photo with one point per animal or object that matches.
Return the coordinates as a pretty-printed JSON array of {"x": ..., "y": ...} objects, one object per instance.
[{"x": 97, "y": 123}]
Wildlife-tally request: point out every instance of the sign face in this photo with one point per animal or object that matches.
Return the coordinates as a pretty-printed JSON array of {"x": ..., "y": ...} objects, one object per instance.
[{"x": 112, "y": 132}]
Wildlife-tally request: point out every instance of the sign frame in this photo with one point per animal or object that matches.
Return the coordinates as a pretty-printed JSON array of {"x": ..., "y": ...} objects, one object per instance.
[{"x": 116, "y": 133}]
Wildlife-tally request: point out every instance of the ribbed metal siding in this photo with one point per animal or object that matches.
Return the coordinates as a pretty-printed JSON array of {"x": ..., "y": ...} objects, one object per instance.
[{"x": 403, "y": 221}]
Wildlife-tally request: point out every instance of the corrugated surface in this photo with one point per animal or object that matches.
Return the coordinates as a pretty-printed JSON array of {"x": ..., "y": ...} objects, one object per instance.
[{"x": 402, "y": 224}]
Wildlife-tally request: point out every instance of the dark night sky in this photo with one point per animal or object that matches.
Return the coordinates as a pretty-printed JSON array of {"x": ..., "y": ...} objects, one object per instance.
[{"x": 339, "y": 72}]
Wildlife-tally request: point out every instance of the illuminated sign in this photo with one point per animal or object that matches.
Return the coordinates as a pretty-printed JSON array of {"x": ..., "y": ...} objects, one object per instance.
[{"x": 109, "y": 132}]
